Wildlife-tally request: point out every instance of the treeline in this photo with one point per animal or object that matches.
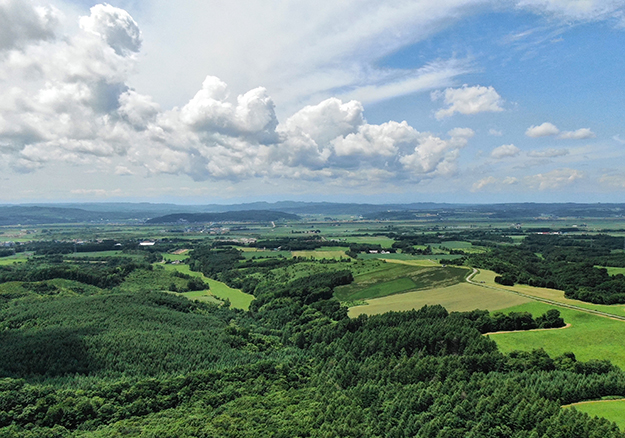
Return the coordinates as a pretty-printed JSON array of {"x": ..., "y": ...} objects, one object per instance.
[
  {"x": 578, "y": 279},
  {"x": 107, "y": 274},
  {"x": 486, "y": 322}
]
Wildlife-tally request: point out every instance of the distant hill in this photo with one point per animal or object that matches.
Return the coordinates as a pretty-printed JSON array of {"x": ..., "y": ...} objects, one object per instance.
[
  {"x": 229, "y": 216},
  {"x": 41, "y": 214}
]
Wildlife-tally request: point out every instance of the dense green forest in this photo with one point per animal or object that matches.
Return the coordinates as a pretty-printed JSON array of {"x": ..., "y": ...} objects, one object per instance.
[{"x": 95, "y": 346}]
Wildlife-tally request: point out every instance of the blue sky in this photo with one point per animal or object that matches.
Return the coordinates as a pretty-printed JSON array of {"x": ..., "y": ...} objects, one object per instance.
[{"x": 450, "y": 101}]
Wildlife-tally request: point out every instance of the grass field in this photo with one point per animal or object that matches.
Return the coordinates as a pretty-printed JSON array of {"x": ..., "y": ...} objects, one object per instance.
[
  {"x": 459, "y": 297},
  {"x": 392, "y": 278},
  {"x": 613, "y": 410},
  {"x": 488, "y": 278},
  {"x": 238, "y": 299},
  {"x": 589, "y": 337}
]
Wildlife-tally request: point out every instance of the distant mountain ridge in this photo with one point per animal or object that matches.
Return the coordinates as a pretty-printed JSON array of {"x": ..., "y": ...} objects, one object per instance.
[
  {"x": 41, "y": 214},
  {"x": 229, "y": 216}
]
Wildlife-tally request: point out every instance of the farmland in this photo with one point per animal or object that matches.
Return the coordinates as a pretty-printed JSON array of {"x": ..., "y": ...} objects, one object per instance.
[{"x": 327, "y": 316}]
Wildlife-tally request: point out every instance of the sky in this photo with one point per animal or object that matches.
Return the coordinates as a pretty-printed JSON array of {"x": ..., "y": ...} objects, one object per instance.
[{"x": 465, "y": 101}]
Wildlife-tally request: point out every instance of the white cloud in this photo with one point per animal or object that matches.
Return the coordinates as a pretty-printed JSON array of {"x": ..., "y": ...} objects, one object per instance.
[
  {"x": 509, "y": 180},
  {"x": 548, "y": 153},
  {"x": 556, "y": 179},
  {"x": 544, "y": 130},
  {"x": 21, "y": 23},
  {"x": 115, "y": 26},
  {"x": 468, "y": 100},
  {"x": 582, "y": 10},
  {"x": 495, "y": 132},
  {"x": 479, "y": 185},
  {"x": 578, "y": 134},
  {"x": 81, "y": 111},
  {"x": 504, "y": 151},
  {"x": 343, "y": 43}
]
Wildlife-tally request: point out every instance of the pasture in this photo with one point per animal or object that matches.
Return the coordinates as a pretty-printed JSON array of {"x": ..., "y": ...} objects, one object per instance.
[
  {"x": 459, "y": 297},
  {"x": 613, "y": 410},
  {"x": 589, "y": 337}
]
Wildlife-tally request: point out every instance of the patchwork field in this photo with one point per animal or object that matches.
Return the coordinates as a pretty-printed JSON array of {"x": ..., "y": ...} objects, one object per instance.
[{"x": 395, "y": 278}]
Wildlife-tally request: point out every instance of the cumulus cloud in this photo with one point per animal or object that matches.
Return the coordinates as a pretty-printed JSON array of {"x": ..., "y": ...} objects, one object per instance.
[
  {"x": 504, "y": 151},
  {"x": 556, "y": 179},
  {"x": 509, "y": 180},
  {"x": 548, "y": 153},
  {"x": 544, "y": 130},
  {"x": 495, "y": 132},
  {"x": 115, "y": 26},
  {"x": 479, "y": 185},
  {"x": 492, "y": 181},
  {"x": 548, "y": 129},
  {"x": 21, "y": 23},
  {"x": 578, "y": 134},
  {"x": 468, "y": 100},
  {"x": 80, "y": 110}
]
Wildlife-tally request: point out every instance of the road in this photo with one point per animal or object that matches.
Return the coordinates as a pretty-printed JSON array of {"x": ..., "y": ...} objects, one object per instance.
[{"x": 544, "y": 300}]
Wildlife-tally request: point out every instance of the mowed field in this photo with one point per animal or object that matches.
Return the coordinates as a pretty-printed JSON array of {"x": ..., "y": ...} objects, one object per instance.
[
  {"x": 395, "y": 278},
  {"x": 589, "y": 337},
  {"x": 613, "y": 410},
  {"x": 459, "y": 297}
]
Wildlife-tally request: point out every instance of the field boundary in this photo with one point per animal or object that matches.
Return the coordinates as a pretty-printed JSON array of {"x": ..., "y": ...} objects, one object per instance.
[
  {"x": 530, "y": 330},
  {"x": 544, "y": 300}
]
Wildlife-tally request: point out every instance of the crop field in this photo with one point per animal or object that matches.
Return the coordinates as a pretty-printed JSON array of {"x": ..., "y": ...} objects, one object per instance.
[
  {"x": 393, "y": 278},
  {"x": 238, "y": 299},
  {"x": 589, "y": 337},
  {"x": 613, "y": 410},
  {"x": 487, "y": 277},
  {"x": 459, "y": 297}
]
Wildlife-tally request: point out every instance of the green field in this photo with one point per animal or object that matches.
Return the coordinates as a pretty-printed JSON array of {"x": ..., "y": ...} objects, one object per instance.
[
  {"x": 460, "y": 297},
  {"x": 393, "y": 278},
  {"x": 613, "y": 270},
  {"x": 589, "y": 337},
  {"x": 613, "y": 410},
  {"x": 238, "y": 299}
]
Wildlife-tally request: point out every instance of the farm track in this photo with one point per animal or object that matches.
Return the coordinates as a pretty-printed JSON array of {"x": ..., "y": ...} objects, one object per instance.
[{"x": 545, "y": 300}]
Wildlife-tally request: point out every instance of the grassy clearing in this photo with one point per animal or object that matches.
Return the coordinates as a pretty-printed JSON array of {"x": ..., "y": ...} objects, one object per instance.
[
  {"x": 238, "y": 299},
  {"x": 589, "y": 337},
  {"x": 613, "y": 410},
  {"x": 459, "y": 297},
  {"x": 174, "y": 257},
  {"x": 613, "y": 271}
]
